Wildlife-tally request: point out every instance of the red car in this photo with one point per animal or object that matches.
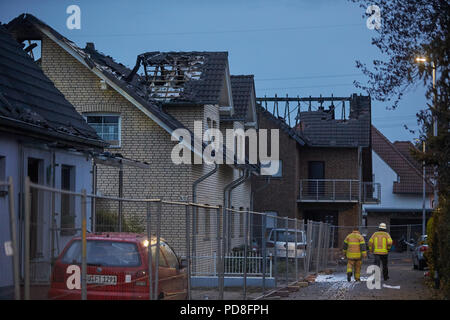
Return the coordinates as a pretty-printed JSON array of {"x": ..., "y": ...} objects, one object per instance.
[{"x": 117, "y": 268}]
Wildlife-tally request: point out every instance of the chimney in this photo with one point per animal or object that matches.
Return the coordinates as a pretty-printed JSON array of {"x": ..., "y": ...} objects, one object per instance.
[{"x": 90, "y": 46}]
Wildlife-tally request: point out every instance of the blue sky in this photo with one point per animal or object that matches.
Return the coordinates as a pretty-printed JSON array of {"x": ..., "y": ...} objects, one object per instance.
[{"x": 295, "y": 47}]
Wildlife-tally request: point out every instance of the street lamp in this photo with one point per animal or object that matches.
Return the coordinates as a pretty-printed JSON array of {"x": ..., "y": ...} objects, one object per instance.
[{"x": 435, "y": 124}]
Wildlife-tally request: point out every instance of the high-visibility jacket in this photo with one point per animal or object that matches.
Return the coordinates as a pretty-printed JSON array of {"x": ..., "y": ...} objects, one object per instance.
[
  {"x": 380, "y": 242},
  {"x": 355, "y": 246}
]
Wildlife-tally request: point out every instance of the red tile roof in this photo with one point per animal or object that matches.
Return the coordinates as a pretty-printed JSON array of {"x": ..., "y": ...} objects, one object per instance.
[{"x": 398, "y": 158}]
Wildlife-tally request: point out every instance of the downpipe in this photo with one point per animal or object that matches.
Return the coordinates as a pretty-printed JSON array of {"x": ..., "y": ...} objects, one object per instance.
[
  {"x": 226, "y": 201},
  {"x": 195, "y": 211}
]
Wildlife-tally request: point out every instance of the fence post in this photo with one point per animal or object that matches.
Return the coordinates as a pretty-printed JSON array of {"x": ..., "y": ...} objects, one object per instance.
[
  {"x": 295, "y": 248},
  {"x": 15, "y": 258},
  {"x": 264, "y": 249},
  {"x": 149, "y": 253},
  {"x": 83, "y": 246},
  {"x": 326, "y": 245},
  {"x": 120, "y": 196},
  {"x": 408, "y": 237},
  {"x": 188, "y": 251},
  {"x": 286, "y": 226},
  {"x": 220, "y": 258},
  {"x": 158, "y": 238},
  {"x": 27, "y": 239},
  {"x": 319, "y": 243},
  {"x": 93, "y": 199},
  {"x": 246, "y": 226},
  {"x": 275, "y": 253}
]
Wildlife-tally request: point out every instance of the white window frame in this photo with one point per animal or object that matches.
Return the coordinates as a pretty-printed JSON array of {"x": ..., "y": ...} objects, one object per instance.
[{"x": 102, "y": 114}]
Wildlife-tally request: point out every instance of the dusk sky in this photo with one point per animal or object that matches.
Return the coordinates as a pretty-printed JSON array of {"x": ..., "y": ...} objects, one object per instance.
[{"x": 292, "y": 47}]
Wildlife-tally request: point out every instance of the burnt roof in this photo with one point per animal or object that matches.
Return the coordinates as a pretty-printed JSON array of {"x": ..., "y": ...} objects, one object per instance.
[
  {"x": 411, "y": 179},
  {"x": 26, "y": 25},
  {"x": 284, "y": 127},
  {"x": 29, "y": 99},
  {"x": 242, "y": 87},
  {"x": 323, "y": 130}
]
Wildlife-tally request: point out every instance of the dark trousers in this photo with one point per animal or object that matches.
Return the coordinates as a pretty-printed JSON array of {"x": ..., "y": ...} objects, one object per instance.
[{"x": 382, "y": 259}]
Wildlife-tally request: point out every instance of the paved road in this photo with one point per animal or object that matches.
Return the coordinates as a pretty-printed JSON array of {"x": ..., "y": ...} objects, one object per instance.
[{"x": 335, "y": 286}]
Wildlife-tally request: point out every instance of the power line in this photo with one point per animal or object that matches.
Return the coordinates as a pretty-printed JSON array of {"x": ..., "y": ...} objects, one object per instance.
[
  {"x": 306, "y": 87},
  {"x": 218, "y": 31},
  {"x": 311, "y": 77}
]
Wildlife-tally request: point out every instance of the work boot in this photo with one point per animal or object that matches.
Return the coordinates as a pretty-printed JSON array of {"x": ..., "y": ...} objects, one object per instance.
[{"x": 349, "y": 276}]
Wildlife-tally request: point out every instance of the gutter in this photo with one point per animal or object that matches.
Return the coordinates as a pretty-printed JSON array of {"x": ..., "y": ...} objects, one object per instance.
[{"x": 40, "y": 133}]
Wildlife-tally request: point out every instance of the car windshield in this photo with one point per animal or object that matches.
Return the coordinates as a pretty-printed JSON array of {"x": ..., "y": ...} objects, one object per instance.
[
  {"x": 105, "y": 253},
  {"x": 289, "y": 236}
]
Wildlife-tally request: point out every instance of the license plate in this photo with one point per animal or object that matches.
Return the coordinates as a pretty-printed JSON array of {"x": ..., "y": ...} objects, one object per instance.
[{"x": 101, "y": 279}]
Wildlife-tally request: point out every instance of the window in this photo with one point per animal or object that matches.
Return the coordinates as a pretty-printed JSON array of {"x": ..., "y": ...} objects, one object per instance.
[
  {"x": 107, "y": 126},
  {"x": 67, "y": 200},
  {"x": 105, "y": 253},
  {"x": 162, "y": 261},
  {"x": 172, "y": 259},
  {"x": 316, "y": 171}
]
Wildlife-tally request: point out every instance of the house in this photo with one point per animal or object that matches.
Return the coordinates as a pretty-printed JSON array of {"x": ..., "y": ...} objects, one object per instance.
[
  {"x": 43, "y": 137},
  {"x": 401, "y": 178},
  {"x": 138, "y": 111},
  {"x": 325, "y": 163}
]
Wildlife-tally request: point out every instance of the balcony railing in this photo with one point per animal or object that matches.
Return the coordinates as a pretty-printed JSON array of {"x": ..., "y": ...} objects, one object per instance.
[{"x": 338, "y": 190}]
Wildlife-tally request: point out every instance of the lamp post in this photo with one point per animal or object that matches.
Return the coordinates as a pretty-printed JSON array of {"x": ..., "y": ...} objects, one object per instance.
[{"x": 435, "y": 125}]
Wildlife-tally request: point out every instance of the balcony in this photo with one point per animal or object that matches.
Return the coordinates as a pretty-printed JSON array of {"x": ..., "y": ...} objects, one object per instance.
[{"x": 338, "y": 190}]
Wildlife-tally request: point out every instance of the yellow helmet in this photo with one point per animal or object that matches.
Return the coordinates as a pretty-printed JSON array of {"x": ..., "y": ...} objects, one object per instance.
[{"x": 382, "y": 226}]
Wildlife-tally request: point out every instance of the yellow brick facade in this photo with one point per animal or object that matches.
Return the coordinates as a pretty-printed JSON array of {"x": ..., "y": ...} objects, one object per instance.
[{"x": 144, "y": 140}]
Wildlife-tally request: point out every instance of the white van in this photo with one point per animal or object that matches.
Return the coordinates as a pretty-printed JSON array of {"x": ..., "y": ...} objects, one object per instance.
[{"x": 279, "y": 238}]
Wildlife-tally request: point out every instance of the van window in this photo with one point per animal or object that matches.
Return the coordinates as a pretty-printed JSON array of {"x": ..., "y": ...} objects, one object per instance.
[{"x": 283, "y": 236}]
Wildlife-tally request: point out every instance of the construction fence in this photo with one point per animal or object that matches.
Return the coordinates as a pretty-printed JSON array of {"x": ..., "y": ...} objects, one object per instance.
[{"x": 74, "y": 245}]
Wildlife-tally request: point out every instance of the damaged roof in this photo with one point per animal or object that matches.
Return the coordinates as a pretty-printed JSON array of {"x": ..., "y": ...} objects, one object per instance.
[
  {"x": 128, "y": 82},
  {"x": 411, "y": 179},
  {"x": 184, "y": 77},
  {"x": 242, "y": 87},
  {"x": 281, "y": 123},
  {"x": 323, "y": 130},
  {"x": 30, "y": 101}
]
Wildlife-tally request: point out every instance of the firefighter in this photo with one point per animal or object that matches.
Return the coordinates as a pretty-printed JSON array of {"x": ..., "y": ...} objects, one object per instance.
[
  {"x": 355, "y": 251},
  {"x": 379, "y": 244}
]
